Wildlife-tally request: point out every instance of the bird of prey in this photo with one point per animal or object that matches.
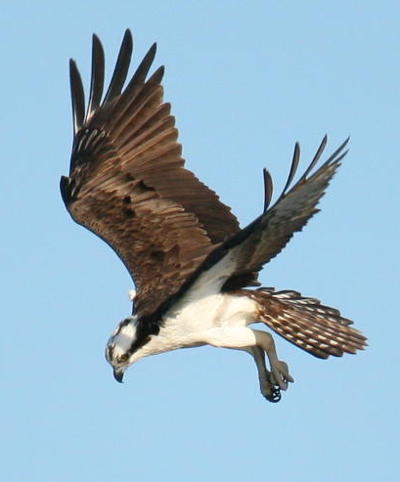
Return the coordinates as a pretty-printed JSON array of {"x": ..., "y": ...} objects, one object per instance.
[{"x": 195, "y": 270}]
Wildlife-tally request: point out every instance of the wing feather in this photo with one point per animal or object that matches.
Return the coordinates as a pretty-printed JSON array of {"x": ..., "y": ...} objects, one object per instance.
[
  {"x": 77, "y": 96},
  {"x": 268, "y": 189},
  {"x": 97, "y": 78},
  {"x": 140, "y": 75},
  {"x": 293, "y": 168},
  {"x": 127, "y": 182},
  {"x": 121, "y": 68},
  {"x": 248, "y": 250},
  {"x": 271, "y": 232}
]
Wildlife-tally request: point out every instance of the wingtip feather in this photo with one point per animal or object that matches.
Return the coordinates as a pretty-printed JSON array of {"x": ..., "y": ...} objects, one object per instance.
[
  {"x": 268, "y": 189},
  {"x": 97, "y": 77},
  {"x": 121, "y": 67},
  {"x": 293, "y": 168},
  {"x": 77, "y": 96}
]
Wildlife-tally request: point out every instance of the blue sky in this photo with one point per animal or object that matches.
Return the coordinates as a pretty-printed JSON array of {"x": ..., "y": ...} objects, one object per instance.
[{"x": 246, "y": 80}]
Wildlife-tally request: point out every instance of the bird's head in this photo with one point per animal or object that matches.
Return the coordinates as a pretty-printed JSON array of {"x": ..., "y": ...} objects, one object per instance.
[{"x": 119, "y": 347}]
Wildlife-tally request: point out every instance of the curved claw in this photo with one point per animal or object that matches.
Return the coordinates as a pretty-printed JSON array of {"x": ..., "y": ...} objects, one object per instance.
[
  {"x": 271, "y": 390},
  {"x": 275, "y": 394}
]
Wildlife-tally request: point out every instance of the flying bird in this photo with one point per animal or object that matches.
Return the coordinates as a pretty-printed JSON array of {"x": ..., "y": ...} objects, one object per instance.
[{"x": 195, "y": 270}]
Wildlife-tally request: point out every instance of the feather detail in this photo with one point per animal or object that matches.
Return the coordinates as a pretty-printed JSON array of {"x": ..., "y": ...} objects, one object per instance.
[
  {"x": 305, "y": 322},
  {"x": 127, "y": 180}
]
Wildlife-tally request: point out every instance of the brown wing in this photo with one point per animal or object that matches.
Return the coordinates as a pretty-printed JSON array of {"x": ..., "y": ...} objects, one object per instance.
[
  {"x": 127, "y": 182},
  {"x": 273, "y": 230},
  {"x": 248, "y": 250}
]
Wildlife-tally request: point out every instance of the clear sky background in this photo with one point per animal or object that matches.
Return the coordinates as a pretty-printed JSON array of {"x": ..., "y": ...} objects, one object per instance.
[{"x": 246, "y": 80}]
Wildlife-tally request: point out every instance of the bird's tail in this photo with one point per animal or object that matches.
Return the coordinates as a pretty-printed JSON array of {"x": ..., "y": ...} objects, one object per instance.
[{"x": 317, "y": 329}]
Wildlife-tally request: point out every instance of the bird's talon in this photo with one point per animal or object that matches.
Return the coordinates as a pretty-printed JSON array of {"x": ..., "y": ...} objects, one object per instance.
[{"x": 275, "y": 395}]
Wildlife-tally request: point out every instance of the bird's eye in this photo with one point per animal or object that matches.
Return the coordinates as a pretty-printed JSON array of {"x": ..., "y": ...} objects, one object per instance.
[{"x": 123, "y": 358}]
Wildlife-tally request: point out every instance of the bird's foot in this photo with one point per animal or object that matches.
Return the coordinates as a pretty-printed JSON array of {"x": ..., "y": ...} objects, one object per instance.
[
  {"x": 280, "y": 375},
  {"x": 277, "y": 380},
  {"x": 270, "y": 391}
]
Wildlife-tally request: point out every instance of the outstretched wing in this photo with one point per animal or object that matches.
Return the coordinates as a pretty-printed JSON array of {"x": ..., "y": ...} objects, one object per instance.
[
  {"x": 127, "y": 183},
  {"x": 248, "y": 250}
]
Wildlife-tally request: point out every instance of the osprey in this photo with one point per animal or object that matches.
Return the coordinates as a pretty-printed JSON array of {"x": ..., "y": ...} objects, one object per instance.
[{"x": 191, "y": 263}]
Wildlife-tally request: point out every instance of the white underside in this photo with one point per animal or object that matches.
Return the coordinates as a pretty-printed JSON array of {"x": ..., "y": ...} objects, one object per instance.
[
  {"x": 204, "y": 315},
  {"x": 208, "y": 320}
]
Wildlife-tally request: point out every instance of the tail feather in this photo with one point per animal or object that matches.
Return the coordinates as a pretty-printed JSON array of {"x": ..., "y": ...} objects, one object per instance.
[{"x": 305, "y": 322}]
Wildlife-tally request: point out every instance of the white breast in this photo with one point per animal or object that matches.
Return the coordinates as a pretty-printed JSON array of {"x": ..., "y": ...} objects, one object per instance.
[
  {"x": 201, "y": 309},
  {"x": 186, "y": 323}
]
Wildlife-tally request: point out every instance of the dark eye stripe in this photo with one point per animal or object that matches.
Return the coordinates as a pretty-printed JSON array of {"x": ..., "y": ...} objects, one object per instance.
[{"x": 126, "y": 322}]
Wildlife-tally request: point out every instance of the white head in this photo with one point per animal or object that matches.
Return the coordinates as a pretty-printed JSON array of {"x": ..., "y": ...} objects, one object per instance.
[{"x": 119, "y": 352}]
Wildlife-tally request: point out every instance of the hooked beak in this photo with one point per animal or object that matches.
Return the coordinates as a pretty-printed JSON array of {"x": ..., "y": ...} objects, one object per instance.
[{"x": 119, "y": 374}]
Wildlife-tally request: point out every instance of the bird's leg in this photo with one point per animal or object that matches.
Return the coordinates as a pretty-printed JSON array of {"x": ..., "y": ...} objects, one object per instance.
[
  {"x": 256, "y": 342},
  {"x": 279, "y": 376},
  {"x": 268, "y": 388}
]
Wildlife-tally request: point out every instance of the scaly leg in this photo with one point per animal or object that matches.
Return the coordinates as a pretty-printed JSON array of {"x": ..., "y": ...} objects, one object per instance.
[
  {"x": 279, "y": 370},
  {"x": 268, "y": 388},
  {"x": 256, "y": 342}
]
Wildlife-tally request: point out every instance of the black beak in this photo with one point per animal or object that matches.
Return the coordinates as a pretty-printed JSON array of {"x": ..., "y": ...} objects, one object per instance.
[{"x": 119, "y": 374}]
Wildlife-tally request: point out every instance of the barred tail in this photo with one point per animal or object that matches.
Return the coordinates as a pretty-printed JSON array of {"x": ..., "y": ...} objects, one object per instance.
[{"x": 317, "y": 329}]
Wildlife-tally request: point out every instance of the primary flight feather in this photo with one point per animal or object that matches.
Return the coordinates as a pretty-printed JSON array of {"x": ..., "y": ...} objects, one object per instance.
[{"x": 191, "y": 263}]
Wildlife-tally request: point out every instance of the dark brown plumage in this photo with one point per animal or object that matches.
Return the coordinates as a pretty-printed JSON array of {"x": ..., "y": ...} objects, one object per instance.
[
  {"x": 189, "y": 260},
  {"x": 265, "y": 237},
  {"x": 255, "y": 245},
  {"x": 305, "y": 322},
  {"x": 127, "y": 182},
  {"x": 316, "y": 328}
]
